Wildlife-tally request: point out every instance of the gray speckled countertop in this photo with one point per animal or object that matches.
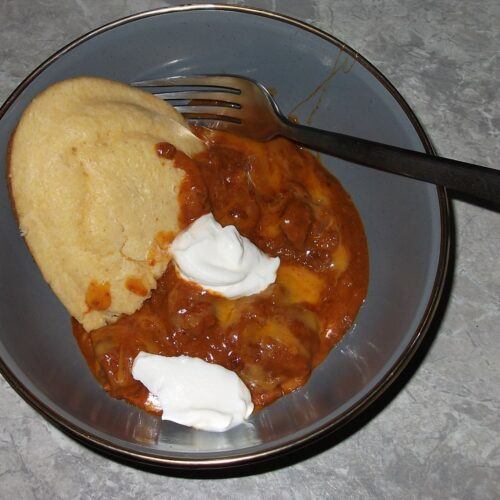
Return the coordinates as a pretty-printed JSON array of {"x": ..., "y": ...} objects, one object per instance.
[{"x": 437, "y": 432}]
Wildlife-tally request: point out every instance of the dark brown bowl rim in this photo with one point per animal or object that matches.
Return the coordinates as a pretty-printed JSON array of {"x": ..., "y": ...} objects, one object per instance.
[{"x": 342, "y": 419}]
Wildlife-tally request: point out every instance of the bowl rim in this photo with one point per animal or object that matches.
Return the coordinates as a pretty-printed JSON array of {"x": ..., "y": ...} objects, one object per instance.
[{"x": 244, "y": 458}]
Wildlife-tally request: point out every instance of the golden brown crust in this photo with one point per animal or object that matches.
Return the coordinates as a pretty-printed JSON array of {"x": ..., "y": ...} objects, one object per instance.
[{"x": 89, "y": 191}]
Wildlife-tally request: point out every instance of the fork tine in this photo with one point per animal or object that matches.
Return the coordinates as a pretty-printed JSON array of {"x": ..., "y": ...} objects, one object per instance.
[
  {"x": 191, "y": 95},
  {"x": 227, "y": 82},
  {"x": 222, "y": 111},
  {"x": 229, "y": 125},
  {"x": 229, "y": 102}
]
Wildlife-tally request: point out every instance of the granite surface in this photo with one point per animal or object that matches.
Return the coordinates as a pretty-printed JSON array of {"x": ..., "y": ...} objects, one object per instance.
[{"x": 436, "y": 434}]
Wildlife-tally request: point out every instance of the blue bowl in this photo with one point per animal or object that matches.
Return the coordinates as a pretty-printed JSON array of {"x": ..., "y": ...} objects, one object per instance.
[{"x": 406, "y": 222}]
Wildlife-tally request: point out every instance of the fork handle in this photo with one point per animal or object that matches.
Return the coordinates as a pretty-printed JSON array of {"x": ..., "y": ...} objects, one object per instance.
[{"x": 479, "y": 182}]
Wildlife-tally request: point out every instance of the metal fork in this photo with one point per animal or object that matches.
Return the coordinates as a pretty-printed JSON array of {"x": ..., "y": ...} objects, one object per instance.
[{"x": 246, "y": 107}]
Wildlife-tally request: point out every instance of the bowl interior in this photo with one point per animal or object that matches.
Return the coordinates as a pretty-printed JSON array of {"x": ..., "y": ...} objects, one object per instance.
[{"x": 401, "y": 218}]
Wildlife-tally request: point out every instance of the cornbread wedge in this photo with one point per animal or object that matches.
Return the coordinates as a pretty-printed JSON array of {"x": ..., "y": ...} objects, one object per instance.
[{"x": 96, "y": 204}]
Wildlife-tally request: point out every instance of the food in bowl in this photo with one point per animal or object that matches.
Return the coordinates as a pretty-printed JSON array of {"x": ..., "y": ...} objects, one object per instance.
[
  {"x": 91, "y": 194},
  {"x": 130, "y": 181}
]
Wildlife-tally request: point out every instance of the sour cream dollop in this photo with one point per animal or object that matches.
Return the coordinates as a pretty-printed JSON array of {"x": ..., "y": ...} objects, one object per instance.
[
  {"x": 221, "y": 260},
  {"x": 192, "y": 392}
]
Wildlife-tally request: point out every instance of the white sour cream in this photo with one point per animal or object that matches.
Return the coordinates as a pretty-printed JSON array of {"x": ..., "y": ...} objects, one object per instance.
[
  {"x": 221, "y": 260},
  {"x": 192, "y": 392}
]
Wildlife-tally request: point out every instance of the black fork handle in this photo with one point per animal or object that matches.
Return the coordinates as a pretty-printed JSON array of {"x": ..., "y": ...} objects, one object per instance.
[{"x": 481, "y": 183}]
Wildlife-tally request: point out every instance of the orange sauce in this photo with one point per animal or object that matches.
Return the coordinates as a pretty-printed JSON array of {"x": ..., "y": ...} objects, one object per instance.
[
  {"x": 98, "y": 296},
  {"x": 135, "y": 285},
  {"x": 281, "y": 198},
  {"x": 166, "y": 150}
]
